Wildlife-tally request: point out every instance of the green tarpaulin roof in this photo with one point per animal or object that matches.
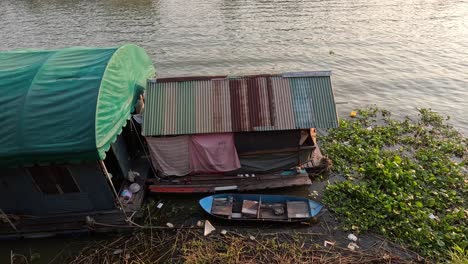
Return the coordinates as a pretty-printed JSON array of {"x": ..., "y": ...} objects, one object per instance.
[{"x": 67, "y": 105}]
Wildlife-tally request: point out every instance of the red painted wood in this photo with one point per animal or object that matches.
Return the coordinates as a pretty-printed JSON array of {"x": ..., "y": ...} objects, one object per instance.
[{"x": 157, "y": 189}]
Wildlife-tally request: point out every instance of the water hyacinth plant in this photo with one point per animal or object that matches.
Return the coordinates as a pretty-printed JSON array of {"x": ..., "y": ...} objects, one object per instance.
[{"x": 406, "y": 179}]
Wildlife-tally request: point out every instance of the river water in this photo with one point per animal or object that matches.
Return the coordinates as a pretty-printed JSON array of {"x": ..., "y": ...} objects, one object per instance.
[{"x": 398, "y": 54}]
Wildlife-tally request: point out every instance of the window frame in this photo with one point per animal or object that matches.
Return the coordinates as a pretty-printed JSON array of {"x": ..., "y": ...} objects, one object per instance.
[{"x": 53, "y": 173}]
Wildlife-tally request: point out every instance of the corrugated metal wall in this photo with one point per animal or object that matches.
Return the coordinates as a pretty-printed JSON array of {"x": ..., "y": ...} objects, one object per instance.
[{"x": 193, "y": 105}]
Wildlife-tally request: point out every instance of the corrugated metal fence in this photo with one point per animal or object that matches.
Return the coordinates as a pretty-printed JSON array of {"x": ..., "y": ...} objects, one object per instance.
[{"x": 193, "y": 105}]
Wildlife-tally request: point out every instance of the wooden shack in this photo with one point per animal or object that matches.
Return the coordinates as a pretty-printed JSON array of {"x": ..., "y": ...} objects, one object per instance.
[{"x": 214, "y": 133}]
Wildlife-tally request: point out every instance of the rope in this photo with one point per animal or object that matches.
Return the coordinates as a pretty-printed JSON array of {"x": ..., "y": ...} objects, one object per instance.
[
  {"x": 144, "y": 149},
  {"x": 146, "y": 226},
  {"x": 5, "y": 216}
]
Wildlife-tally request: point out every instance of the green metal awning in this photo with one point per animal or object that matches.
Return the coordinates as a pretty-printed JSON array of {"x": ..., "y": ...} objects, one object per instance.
[{"x": 67, "y": 105}]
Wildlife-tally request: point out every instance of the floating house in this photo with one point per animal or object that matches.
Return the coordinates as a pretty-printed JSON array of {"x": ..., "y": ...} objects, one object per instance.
[
  {"x": 64, "y": 138},
  {"x": 70, "y": 150},
  {"x": 217, "y": 133}
]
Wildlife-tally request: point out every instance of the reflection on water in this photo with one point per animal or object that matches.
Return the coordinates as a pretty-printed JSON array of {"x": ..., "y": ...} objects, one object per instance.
[{"x": 399, "y": 54}]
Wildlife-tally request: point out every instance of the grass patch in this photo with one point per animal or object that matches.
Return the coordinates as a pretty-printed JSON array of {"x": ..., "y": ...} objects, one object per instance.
[
  {"x": 191, "y": 247},
  {"x": 406, "y": 179},
  {"x": 458, "y": 256}
]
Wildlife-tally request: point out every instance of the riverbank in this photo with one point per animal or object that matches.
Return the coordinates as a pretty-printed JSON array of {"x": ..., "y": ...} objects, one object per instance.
[
  {"x": 402, "y": 193},
  {"x": 236, "y": 246}
]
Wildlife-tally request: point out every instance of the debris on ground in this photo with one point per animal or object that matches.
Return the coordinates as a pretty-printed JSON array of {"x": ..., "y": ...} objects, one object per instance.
[
  {"x": 190, "y": 246},
  {"x": 352, "y": 237},
  {"x": 209, "y": 228},
  {"x": 117, "y": 251},
  {"x": 353, "y": 246}
]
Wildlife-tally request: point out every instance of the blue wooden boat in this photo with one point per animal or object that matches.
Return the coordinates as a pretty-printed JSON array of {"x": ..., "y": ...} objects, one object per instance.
[{"x": 260, "y": 207}]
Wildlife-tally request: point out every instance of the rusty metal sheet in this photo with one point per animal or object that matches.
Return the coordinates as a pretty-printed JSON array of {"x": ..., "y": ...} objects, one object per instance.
[{"x": 217, "y": 104}]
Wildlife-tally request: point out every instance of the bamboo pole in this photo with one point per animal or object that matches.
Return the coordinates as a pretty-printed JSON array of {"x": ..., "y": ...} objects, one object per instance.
[{"x": 8, "y": 220}]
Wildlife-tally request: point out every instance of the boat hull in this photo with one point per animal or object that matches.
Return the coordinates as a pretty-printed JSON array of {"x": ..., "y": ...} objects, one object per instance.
[{"x": 313, "y": 207}]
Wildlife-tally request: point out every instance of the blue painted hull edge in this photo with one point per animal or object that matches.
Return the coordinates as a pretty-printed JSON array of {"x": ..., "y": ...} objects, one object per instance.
[{"x": 207, "y": 202}]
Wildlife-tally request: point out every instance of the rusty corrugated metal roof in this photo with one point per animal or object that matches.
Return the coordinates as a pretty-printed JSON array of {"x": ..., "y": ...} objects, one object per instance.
[{"x": 214, "y": 104}]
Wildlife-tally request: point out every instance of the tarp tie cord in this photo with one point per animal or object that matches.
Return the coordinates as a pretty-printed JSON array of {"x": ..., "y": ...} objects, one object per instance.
[
  {"x": 103, "y": 166},
  {"x": 127, "y": 219},
  {"x": 144, "y": 149},
  {"x": 5, "y": 216}
]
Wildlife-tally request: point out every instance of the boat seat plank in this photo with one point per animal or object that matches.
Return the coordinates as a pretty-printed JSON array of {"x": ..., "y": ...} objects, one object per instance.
[
  {"x": 221, "y": 206},
  {"x": 236, "y": 215},
  {"x": 268, "y": 211},
  {"x": 298, "y": 209},
  {"x": 250, "y": 208}
]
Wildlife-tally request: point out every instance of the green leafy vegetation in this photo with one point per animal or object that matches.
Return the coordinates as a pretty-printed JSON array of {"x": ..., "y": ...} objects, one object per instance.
[{"x": 406, "y": 179}]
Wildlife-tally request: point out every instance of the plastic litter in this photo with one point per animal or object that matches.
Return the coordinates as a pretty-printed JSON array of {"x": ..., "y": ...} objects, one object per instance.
[
  {"x": 223, "y": 232},
  {"x": 314, "y": 193},
  {"x": 170, "y": 225},
  {"x": 131, "y": 176},
  {"x": 433, "y": 217},
  {"x": 352, "y": 237},
  {"x": 134, "y": 187},
  {"x": 117, "y": 251},
  {"x": 328, "y": 243},
  {"x": 159, "y": 206},
  {"x": 126, "y": 195},
  {"x": 252, "y": 237},
  {"x": 200, "y": 223},
  {"x": 209, "y": 228},
  {"x": 353, "y": 246}
]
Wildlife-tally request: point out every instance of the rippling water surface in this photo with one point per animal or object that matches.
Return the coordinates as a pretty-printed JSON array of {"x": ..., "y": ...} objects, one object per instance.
[{"x": 399, "y": 54}]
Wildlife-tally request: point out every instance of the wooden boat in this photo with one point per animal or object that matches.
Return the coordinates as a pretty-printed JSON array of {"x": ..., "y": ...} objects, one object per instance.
[{"x": 260, "y": 207}]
